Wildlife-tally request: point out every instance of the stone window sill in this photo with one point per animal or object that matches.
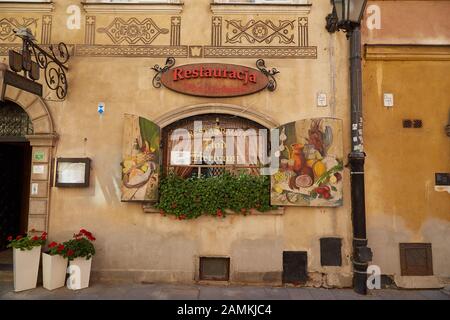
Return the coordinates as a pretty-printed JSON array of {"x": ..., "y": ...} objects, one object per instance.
[
  {"x": 35, "y": 6},
  {"x": 303, "y": 8},
  {"x": 148, "y": 208},
  {"x": 153, "y": 8}
]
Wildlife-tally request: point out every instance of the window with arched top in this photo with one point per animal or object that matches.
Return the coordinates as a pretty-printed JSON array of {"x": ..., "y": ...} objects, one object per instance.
[
  {"x": 212, "y": 144},
  {"x": 14, "y": 121}
]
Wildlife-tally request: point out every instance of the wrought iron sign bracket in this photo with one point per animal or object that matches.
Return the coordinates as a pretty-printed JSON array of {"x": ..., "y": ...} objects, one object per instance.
[
  {"x": 53, "y": 62},
  {"x": 170, "y": 62},
  {"x": 269, "y": 73}
]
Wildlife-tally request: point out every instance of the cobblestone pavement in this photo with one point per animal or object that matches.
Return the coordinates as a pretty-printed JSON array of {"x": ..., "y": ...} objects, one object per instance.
[{"x": 119, "y": 291}]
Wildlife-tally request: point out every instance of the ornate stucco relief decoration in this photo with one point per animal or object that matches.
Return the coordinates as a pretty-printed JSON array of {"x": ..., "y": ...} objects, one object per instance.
[
  {"x": 46, "y": 36},
  {"x": 132, "y": 38},
  {"x": 89, "y": 37},
  {"x": 260, "y": 31},
  {"x": 8, "y": 40},
  {"x": 175, "y": 31},
  {"x": 7, "y": 26},
  {"x": 133, "y": 31},
  {"x": 265, "y": 38}
]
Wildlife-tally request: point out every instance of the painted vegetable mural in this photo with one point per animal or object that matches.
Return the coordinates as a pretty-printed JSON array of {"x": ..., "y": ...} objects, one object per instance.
[
  {"x": 140, "y": 165},
  {"x": 311, "y": 164}
]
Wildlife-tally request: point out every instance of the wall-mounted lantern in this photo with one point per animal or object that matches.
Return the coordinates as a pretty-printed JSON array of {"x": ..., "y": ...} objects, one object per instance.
[
  {"x": 346, "y": 15},
  {"x": 51, "y": 60},
  {"x": 72, "y": 172}
]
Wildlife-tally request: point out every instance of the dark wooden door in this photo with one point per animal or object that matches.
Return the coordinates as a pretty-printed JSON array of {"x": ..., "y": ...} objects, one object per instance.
[{"x": 15, "y": 163}]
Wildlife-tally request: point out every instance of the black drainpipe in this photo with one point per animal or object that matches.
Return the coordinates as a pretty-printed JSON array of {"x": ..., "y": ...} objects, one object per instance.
[{"x": 361, "y": 253}]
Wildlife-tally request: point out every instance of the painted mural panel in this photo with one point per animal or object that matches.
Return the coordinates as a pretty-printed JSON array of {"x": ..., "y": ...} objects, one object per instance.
[
  {"x": 141, "y": 155},
  {"x": 311, "y": 164}
]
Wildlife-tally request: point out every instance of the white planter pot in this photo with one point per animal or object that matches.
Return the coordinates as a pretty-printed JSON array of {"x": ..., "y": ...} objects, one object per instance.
[
  {"x": 54, "y": 270},
  {"x": 26, "y": 267},
  {"x": 80, "y": 272}
]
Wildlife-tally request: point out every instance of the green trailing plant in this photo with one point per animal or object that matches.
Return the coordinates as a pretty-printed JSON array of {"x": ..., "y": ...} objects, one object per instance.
[
  {"x": 27, "y": 242},
  {"x": 214, "y": 196},
  {"x": 80, "y": 246}
]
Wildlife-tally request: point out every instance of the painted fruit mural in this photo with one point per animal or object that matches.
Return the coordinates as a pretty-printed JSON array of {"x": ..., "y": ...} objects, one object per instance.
[
  {"x": 140, "y": 165},
  {"x": 311, "y": 164}
]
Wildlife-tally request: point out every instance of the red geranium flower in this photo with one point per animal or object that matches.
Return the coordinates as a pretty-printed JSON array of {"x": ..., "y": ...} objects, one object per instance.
[
  {"x": 35, "y": 238},
  {"x": 9, "y": 238},
  {"x": 60, "y": 248},
  {"x": 52, "y": 245},
  {"x": 19, "y": 237},
  {"x": 70, "y": 252}
]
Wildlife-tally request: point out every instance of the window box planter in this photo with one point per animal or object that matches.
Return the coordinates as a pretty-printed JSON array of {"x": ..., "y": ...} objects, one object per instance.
[
  {"x": 26, "y": 267},
  {"x": 54, "y": 271}
]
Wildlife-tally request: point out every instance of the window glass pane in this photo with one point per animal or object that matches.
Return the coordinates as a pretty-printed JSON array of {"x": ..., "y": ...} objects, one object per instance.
[{"x": 210, "y": 145}]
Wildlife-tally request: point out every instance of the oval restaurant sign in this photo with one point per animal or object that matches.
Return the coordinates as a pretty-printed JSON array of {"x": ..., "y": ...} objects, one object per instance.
[{"x": 215, "y": 79}]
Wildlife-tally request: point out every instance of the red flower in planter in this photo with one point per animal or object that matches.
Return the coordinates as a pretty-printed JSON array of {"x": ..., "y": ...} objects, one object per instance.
[
  {"x": 19, "y": 237},
  {"x": 9, "y": 238},
  {"x": 60, "y": 247},
  {"x": 70, "y": 252},
  {"x": 35, "y": 238},
  {"x": 44, "y": 236},
  {"x": 52, "y": 245}
]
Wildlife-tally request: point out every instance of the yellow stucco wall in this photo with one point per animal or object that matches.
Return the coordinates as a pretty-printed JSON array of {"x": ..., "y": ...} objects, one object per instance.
[
  {"x": 402, "y": 204},
  {"x": 158, "y": 248},
  {"x": 407, "y": 55}
]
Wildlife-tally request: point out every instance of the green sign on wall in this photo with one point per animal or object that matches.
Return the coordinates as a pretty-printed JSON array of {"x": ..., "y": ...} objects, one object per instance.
[{"x": 39, "y": 155}]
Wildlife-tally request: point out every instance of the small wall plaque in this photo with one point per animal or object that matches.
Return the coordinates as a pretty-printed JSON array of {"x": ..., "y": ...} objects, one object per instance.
[
  {"x": 388, "y": 99},
  {"x": 39, "y": 155},
  {"x": 72, "y": 172}
]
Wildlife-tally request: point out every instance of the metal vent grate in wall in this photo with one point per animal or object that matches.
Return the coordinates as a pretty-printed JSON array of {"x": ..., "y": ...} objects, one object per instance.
[
  {"x": 416, "y": 259},
  {"x": 213, "y": 268},
  {"x": 330, "y": 252},
  {"x": 295, "y": 265}
]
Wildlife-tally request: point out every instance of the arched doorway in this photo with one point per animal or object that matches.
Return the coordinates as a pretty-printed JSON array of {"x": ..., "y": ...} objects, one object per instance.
[{"x": 15, "y": 164}]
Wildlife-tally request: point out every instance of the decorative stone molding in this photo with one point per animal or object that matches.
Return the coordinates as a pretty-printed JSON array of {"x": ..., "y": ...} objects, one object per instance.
[
  {"x": 407, "y": 52},
  {"x": 34, "y": 106},
  {"x": 303, "y": 8},
  {"x": 262, "y": 52},
  {"x": 5, "y": 47},
  {"x": 130, "y": 51},
  {"x": 42, "y": 6},
  {"x": 188, "y": 111},
  {"x": 118, "y": 8},
  {"x": 42, "y": 142}
]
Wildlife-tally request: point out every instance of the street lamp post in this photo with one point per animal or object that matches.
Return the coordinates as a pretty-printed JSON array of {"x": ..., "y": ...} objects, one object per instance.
[{"x": 346, "y": 16}]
